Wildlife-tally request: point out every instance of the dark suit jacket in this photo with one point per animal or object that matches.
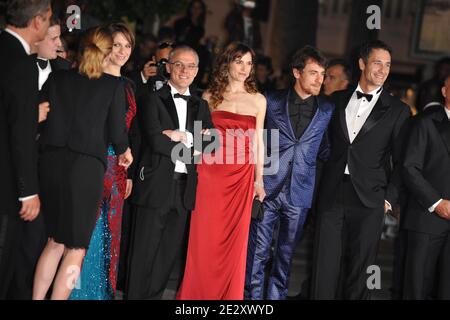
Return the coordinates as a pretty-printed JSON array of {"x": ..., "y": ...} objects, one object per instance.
[
  {"x": 85, "y": 114},
  {"x": 155, "y": 171},
  {"x": 234, "y": 24},
  {"x": 60, "y": 64},
  {"x": 369, "y": 156},
  {"x": 18, "y": 123},
  {"x": 426, "y": 170}
]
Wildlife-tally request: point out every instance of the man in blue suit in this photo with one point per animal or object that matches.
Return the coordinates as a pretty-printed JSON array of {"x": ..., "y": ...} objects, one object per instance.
[{"x": 301, "y": 119}]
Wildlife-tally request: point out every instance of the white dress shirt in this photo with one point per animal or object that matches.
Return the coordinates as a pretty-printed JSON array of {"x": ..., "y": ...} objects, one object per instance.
[
  {"x": 144, "y": 81},
  {"x": 447, "y": 111},
  {"x": 357, "y": 112},
  {"x": 181, "y": 106},
  {"x": 433, "y": 207},
  {"x": 44, "y": 73}
]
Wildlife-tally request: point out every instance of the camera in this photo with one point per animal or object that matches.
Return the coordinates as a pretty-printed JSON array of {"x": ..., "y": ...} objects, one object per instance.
[
  {"x": 161, "y": 68},
  {"x": 161, "y": 77}
]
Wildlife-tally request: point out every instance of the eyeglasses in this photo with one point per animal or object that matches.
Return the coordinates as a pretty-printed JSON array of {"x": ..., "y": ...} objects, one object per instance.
[{"x": 180, "y": 65}]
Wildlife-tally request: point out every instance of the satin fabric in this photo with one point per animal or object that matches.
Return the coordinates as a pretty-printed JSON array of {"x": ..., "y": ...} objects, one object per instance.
[{"x": 218, "y": 236}]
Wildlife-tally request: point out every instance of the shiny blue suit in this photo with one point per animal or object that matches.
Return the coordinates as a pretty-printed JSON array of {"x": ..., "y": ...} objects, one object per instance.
[{"x": 289, "y": 193}]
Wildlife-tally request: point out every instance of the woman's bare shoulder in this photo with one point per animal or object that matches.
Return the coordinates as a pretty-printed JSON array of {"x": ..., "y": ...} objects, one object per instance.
[{"x": 259, "y": 100}]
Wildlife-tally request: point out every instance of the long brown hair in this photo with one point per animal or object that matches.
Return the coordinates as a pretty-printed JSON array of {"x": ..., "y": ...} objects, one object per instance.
[
  {"x": 219, "y": 82},
  {"x": 94, "y": 48}
]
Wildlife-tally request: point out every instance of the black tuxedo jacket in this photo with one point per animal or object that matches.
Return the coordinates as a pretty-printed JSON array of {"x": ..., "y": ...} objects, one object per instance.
[
  {"x": 374, "y": 156},
  {"x": 18, "y": 123},
  {"x": 426, "y": 170},
  {"x": 60, "y": 64},
  {"x": 85, "y": 114},
  {"x": 155, "y": 171}
]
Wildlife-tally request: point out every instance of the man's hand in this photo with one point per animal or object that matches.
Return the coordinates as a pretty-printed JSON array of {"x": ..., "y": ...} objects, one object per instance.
[
  {"x": 443, "y": 209},
  {"x": 175, "y": 135},
  {"x": 126, "y": 159},
  {"x": 30, "y": 209},
  {"x": 396, "y": 212},
  {"x": 387, "y": 207},
  {"x": 128, "y": 188},
  {"x": 206, "y": 132},
  {"x": 150, "y": 69},
  {"x": 258, "y": 191},
  {"x": 44, "y": 108}
]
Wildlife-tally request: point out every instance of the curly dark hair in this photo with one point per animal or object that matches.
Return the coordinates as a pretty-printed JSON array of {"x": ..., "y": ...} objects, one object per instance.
[{"x": 219, "y": 82}]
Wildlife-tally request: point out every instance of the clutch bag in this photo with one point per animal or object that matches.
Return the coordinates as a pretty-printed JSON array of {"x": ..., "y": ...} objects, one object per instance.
[{"x": 257, "y": 210}]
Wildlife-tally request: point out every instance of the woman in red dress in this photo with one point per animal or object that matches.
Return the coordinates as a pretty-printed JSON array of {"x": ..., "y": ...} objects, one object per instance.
[{"x": 228, "y": 180}]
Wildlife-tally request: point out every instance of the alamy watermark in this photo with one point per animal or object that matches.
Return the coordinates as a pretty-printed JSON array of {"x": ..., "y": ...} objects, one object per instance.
[
  {"x": 374, "y": 20},
  {"x": 374, "y": 280},
  {"x": 74, "y": 20}
]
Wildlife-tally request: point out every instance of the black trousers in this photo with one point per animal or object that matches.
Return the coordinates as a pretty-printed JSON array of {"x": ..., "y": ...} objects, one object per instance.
[
  {"x": 427, "y": 271},
  {"x": 400, "y": 249},
  {"x": 11, "y": 228},
  {"x": 351, "y": 230},
  {"x": 32, "y": 244},
  {"x": 157, "y": 240}
]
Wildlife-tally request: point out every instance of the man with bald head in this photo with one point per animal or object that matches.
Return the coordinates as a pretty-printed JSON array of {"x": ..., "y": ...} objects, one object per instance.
[{"x": 164, "y": 189}]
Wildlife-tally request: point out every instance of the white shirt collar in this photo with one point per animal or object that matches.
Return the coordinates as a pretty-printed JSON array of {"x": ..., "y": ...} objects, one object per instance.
[
  {"x": 173, "y": 90},
  {"x": 447, "y": 111},
  {"x": 25, "y": 44},
  {"x": 375, "y": 92}
]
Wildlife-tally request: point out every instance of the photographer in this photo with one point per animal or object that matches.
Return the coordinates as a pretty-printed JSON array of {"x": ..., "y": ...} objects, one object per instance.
[{"x": 154, "y": 74}]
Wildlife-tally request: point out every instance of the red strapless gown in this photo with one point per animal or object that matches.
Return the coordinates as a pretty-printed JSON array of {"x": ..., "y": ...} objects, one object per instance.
[{"x": 217, "y": 251}]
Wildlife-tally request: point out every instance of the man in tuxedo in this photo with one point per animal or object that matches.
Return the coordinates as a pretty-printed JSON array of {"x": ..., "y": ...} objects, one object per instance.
[
  {"x": 427, "y": 176},
  {"x": 47, "y": 52},
  {"x": 164, "y": 189},
  {"x": 27, "y": 23},
  {"x": 301, "y": 118},
  {"x": 34, "y": 237},
  {"x": 358, "y": 184}
]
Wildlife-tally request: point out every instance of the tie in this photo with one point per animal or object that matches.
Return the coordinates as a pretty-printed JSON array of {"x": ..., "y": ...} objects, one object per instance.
[
  {"x": 42, "y": 63},
  {"x": 359, "y": 95},
  {"x": 177, "y": 95}
]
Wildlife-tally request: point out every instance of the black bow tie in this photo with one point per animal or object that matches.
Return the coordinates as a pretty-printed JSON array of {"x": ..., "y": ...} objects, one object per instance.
[
  {"x": 177, "y": 95},
  {"x": 42, "y": 63},
  {"x": 359, "y": 95}
]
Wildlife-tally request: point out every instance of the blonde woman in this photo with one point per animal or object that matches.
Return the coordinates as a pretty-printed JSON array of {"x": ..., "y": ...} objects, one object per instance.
[
  {"x": 87, "y": 113},
  {"x": 98, "y": 278}
]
